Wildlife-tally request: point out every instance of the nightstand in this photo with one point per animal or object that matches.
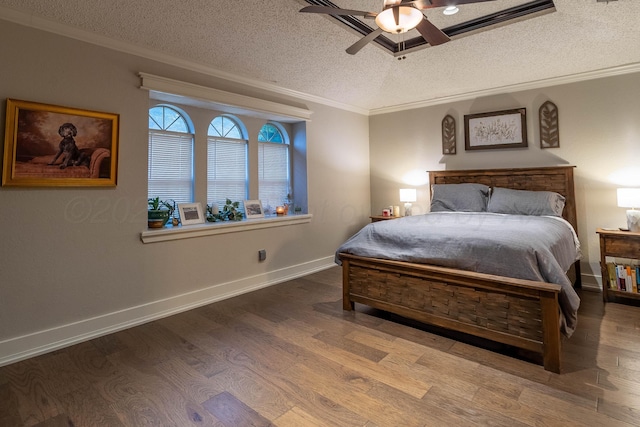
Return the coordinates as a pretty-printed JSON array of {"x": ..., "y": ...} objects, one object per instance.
[
  {"x": 376, "y": 218},
  {"x": 617, "y": 244}
]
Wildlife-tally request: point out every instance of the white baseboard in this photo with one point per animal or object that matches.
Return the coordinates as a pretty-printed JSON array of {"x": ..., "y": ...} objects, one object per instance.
[
  {"x": 26, "y": 346},
  {"x": 591, "y": 282},
  {"x": 34, "y": 344}
]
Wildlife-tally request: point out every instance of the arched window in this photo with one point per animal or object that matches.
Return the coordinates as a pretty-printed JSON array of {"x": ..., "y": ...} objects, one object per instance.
[
  {"x": 226, "y": 160},
  {"x": 270, "y": 133},
  {"x": 274, "y": 167},
  {"x": 170, "y": 154}
]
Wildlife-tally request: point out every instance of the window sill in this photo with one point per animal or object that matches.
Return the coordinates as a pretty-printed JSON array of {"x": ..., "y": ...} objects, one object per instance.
[{"x": 212, "y": 228}]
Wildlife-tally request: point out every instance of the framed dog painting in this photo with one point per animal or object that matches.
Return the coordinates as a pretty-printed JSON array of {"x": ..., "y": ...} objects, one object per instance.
[{"x": 52, "y": 146}]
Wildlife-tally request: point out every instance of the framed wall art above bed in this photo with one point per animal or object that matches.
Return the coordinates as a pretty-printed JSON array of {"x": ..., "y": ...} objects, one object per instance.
[
  {"x": 498, "y": 129},
  {"x": 549, "y": 125},
  {"x": 448, "y": 135}
]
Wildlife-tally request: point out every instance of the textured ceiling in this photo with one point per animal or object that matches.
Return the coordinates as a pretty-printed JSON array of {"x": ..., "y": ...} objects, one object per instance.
[{"x": 270, "y": 42}]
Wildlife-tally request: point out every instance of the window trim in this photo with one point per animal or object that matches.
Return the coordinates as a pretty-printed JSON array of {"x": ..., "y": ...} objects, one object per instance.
[
  {"x": 169, "y": 91},
  {"x": 163, "y": 88},
  {"x": 212, "y": 228}
]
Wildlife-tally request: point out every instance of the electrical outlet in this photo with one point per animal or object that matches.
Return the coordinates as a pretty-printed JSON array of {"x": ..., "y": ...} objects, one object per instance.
[{"x": 262, "y": 254}]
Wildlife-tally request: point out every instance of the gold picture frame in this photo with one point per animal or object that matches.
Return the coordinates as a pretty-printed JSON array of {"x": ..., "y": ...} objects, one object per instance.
[{"x": 53, "y": 146}]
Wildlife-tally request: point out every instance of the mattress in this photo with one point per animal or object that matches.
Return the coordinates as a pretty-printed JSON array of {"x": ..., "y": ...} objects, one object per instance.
[{"x": 540, "y": 248}]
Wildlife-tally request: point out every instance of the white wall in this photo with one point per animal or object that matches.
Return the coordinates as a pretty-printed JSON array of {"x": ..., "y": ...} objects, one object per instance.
[
  {"x": 599, "y": 134},
  {"x": 71, "y": 261}
]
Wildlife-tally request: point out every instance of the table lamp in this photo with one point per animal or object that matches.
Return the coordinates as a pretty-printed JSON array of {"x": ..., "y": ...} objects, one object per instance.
[
  {"x": 630, "y": 198},
  {"x": 407, "y": 195}
]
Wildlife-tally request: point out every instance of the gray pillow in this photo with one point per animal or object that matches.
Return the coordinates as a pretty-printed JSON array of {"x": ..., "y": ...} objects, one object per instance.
[
  {"x": 522, "y": 202},
  {"x": 459, "y": 197}
]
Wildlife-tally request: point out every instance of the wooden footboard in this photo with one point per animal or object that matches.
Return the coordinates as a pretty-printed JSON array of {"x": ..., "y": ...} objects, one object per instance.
[{"x": 521, "y": 313}]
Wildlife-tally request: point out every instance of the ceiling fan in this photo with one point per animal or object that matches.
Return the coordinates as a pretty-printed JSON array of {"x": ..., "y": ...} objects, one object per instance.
[{"x": 397, "y": 16}]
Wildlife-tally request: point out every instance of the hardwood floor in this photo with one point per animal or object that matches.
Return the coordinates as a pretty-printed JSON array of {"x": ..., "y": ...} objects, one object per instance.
[{"x": 288, "y": 355}]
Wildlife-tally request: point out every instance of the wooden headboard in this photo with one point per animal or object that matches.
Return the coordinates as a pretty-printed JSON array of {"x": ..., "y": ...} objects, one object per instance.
[{"x": 558, "y": 179}]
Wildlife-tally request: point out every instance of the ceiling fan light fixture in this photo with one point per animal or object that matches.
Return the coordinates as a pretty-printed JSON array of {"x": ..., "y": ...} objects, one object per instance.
[
  {"x": 410, "y": 17},
  {"x": 450, "y": 10}
]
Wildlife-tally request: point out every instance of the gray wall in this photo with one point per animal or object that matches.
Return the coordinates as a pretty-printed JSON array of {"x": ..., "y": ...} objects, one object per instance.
[
  {"x": 599, "y": 134},
  {"x": 71, "y": 262}
]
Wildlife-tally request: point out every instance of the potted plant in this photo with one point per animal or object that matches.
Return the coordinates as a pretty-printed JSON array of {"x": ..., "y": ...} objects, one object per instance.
[
  {"x": 230, "y": 212},
  {"x": 159, "y": 212}
]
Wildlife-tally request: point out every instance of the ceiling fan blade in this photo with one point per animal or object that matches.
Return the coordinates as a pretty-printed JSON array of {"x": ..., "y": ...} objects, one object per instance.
[
  {"x": 335, "y": 11},
  {"x": 428, "y": 4},
  {"x": 396, "y": 15},
  {"x": 355, "y": 48},
  {"x": 432, "y": 34}
]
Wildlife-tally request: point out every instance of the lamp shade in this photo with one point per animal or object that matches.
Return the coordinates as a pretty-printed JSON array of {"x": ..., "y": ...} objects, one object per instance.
[
  {"x": 629, "y": 197},
  {"x": 409, "y": 18},
  {"x": 407, "y": 194}
]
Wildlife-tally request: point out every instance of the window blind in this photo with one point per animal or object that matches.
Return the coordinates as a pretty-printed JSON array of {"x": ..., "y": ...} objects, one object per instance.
[
  {"x": 273, "y": 173},
  {"x": 226, "y": 171},
  {"x": 171, "y": 166}
]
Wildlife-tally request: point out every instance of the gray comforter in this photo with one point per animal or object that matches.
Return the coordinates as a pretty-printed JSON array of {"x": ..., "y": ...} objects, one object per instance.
[{"x": 538, "y": 248}]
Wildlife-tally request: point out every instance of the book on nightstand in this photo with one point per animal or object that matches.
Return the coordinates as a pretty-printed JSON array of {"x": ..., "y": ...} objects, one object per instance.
[
  {"x": 611, "y": 268},
  {"x": 623, "y": 277}
]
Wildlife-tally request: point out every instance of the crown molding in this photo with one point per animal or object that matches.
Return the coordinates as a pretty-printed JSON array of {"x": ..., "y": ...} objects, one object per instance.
[
  {"x": 537, "y": 84},
  {"x": 227, "y": 101}
]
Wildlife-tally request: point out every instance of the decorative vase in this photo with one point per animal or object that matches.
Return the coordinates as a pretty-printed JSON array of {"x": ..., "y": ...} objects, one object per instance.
[{"x": 157, "y": 218}]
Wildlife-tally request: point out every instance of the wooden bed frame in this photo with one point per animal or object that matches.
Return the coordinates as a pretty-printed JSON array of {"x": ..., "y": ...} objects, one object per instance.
[{"x": 521, "y": 313}]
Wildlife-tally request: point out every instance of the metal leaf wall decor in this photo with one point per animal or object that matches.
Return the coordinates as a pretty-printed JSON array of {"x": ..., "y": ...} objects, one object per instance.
[
  {"x": 448, "y": 135},
  {"x": 549, "y": 126}
]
